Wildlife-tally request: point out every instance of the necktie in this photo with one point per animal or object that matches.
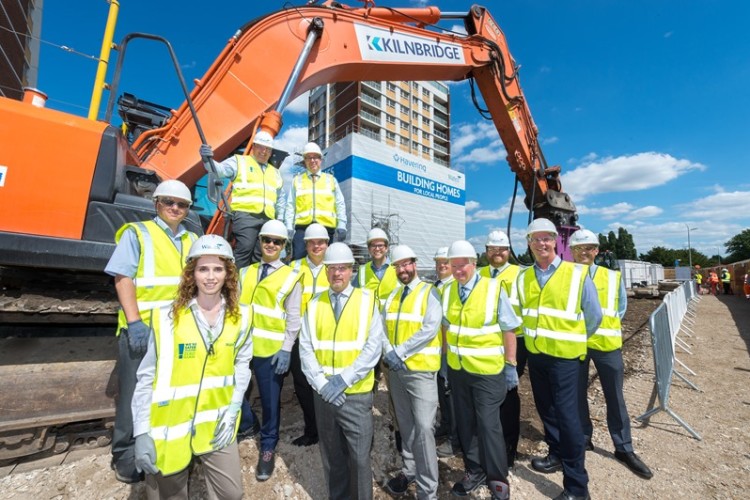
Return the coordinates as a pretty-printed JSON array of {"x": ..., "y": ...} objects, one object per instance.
[
  {"x": 406, "y": 292},
  {"x": 336, "y": 305},
  {"x": 314, "y": 177},
  {"x": 438, "y": 283},
  {"x": 464, "y": 292},
  {"x": 264, "y": 271},
  {"x": 495, "y": 273}
]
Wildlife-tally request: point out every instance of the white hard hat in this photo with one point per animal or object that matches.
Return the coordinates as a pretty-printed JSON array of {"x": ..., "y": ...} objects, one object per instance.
[
  {"x": 311, "y": 148},
  {"x": 274, "y": 228},
  {"x": 376, "y": 234},
  {"x": 402, "y": 252},
  {"x": 497, "y": 239},
  {"x": 583, "y": 237},
  {"x": 263, "y": 138},
  {"x": 316, "y": 231},
  {"x": 541, "y": 226},
  {"x": 175, "y": 189},
  {"x": 338, "y": 253},
  {"x": 724, "y": 269},
  {"x": 442, "y": 253},
  {"x": 210, "y": 244},
  {"x": 462, "y": 249}
]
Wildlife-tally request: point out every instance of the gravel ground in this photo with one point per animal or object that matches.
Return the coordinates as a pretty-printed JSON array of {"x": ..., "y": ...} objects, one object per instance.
[{"x": 717, "y": 467}]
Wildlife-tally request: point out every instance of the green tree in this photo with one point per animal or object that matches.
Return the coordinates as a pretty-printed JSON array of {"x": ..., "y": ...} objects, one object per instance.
[
  {"x": 660, "y": 255},
  {"x": 621, "y": 245},
  {"x": 738, "y": 247}
]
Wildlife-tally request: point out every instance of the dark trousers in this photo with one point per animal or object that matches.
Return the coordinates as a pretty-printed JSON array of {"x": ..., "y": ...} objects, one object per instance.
[
  {"x": 476, "y": 405},
  {"x": 611, "y": 370},
  {"x": 304, "y": 393},
  {"x": 245, "y": 227},
  {"x": 447, "y": 416},
  {"x": 269, "y": 388},
  {"x": 299, "y": 249},
  {"x": 555, "y": 385},
  {"x": 123, "y": 442},
  {"x": 510, "y": 410}
]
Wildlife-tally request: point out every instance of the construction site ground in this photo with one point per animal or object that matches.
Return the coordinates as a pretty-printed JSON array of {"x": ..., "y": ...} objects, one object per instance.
[{"x": 718, "y": 466}]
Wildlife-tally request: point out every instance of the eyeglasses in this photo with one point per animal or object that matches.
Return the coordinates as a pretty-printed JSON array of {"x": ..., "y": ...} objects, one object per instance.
[
  {"x": 169, "y": 202},
  {"x": 544, "y": 239},
  {"x": 403, "y": 265},
  {"x": 339, "y": 269},
  {"x": 378, "y": 246},
  {"x": 276, "y": 241},
  {"x": 317, "y": 158},
  {"x": 585, "y": 248},
  {"x": 496, "y": 249}
]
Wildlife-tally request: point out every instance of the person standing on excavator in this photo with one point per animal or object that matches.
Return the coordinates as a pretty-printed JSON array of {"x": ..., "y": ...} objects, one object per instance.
[
  {"x": 146, "y": 265},
  {"x": 257, "y": 194},
  {"x": 315, "y": 196}
]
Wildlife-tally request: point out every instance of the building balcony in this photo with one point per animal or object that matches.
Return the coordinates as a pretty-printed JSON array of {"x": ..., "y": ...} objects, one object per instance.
[
  {"x": 440, "y": 135},
  {"x": 440, "y": 120},
  {"x": 370, "y": 117},
  {"x": 373, "y": 85},
  {"x": 370, "y": 100},
  {"x": 440, "y": 107},
  {"x": 440, "y": 148}
]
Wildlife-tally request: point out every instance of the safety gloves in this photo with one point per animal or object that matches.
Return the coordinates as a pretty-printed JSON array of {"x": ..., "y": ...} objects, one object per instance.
[
  {"x": 138, "y": 334},
  {"x": 281, "y": 360},
  {"x": 145, "y": 454},
  {"x": 511, "y": 376},
  {"x": 333, "y": 391},
  {"x": 224, "y": 433},
  {"x": 340, "y": 234},
  {"x": 393, "y": 361}
]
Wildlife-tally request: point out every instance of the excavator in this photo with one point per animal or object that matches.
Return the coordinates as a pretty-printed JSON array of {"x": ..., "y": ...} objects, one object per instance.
[{"x": 68, "y": 183}]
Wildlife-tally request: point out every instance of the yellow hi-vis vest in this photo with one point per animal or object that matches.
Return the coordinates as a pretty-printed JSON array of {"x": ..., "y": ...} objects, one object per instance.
[
  {"x": 553, "y": 321},
  {"x": 193, "y": 384},
  {"x": 609, "y": 335},
  {"x": 726, "y": 277},
  {"x": 315, "y": 202},
  {"x": 404, "y": 319},
  {"x": 508, "y": 278},
  {"x": 337, "y": 344},
  {"x": 159, "y": 268},
  {"x": 369, "y": 280},
  {"x": 254, "y": 189},
  {"x": 310, "y": 284},
  {"x": 444, "y": 284},
  {"x": 267, "y": 299},
  {"x": 474, "y": 337}
]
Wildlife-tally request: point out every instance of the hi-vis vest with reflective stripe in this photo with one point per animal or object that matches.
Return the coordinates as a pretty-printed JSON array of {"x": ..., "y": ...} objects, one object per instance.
[
  {"x": 508, "y": 277},
  {"x": 338, "y": 344},
  {"x": 369, "y": 280},
  {"x": 267, "y": 299},
  {"x": 609, "y": 335},
  {"x": 404, "y": 319},
  {"x": 191, "y": 387},
  {"x": 310, "y": 284},
  {"x": 315, "y": 202},
  {"x": 254, "y": 189},
  {"x": 553, "y": 321},
  {"x": 159, "y": 268},
  {"x": 474, "y": 337},
  {"x": 444, "y": 284}
]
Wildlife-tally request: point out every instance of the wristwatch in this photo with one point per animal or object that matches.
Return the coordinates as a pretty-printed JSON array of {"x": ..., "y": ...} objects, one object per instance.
[{"x": 512, "y": 363}]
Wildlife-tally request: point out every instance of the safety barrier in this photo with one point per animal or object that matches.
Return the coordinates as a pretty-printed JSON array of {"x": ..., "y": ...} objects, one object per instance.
[{"x": 674, "y": 316}]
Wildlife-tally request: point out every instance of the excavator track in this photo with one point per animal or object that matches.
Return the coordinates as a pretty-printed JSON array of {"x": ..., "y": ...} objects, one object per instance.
[{"x": 57, "y": 361}]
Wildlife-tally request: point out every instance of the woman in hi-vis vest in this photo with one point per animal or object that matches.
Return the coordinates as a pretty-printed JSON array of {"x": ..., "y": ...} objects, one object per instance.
[{"x": 193, "y": 378}]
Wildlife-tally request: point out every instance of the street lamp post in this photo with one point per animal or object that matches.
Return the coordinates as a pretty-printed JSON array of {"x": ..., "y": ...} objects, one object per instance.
[{"x": 690, "y": 250}]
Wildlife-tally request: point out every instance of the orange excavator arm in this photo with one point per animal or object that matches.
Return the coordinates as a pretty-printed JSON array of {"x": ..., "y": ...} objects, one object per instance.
[{"x": 251, "y": 81}]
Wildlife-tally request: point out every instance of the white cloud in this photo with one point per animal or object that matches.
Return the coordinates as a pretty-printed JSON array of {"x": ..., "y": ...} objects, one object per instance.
[
  {"x": 472, "y": 205},
  {"x": 668, "y": 34},
  {"x": 622, "y": 210},
  {"x": 300, "y": 105},
  {"x": 479, "y": 215},
  {"x": 290, "y": 140},
  {"x": 459, "y": 29},
  {"x": 707, "y": 236},
  {"x": 721, "y": 205},
  {"x": 626, "y": 173},
  {"x": 550, "y": 140},
  {"x": 644, "y": 212},
  {"x": 465, "y": 135},
  {"x": 614, "y": 211}
]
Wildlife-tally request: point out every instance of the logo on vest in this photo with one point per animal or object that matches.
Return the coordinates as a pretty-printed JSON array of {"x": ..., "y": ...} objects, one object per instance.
[{"x": 186, "y": 351}]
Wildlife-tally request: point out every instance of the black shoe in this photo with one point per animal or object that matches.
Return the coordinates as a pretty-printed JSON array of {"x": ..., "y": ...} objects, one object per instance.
[
  {"x": 399, "y": 484},
  {"x": 469, "y": 483},
  {"x": 442, "y": 431},
  {"x": 566, "y": 495},
  {"x": 248, "y": 433},
  {"x": 634, "y": 463},
  {"x": 132, "y": 478},
  {"x": 511, "y": 451},
  {"x": 589, "y": 444},
  {"x": 548, "y": 464},
  {"x": 265, "y": 465},
  {"x": 305, "y": 440}
]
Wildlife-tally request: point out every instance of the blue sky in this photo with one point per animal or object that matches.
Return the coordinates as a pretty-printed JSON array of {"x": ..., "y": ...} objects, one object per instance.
[{"x": 644, "y": 104}]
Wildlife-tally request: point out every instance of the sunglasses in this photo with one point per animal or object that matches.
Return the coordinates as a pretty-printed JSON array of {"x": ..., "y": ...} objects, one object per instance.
[
  {"x": 169, "y": 202},
  {"x": 276, "y": 241}
]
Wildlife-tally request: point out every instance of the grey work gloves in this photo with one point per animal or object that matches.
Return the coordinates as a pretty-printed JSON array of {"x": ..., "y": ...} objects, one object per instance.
[
  {"x": 333, "y": 391},
  {"x": 145, "y": 454},
  {"x": 511, "y": 376},
  {"x": 138, "y": 334},
  {"x": 206, "y": 151},
  {"x": 393, "y": 361},
  {"x": 225, "y": 425},
  {"x": 281, "y": 361},
  {"x": 339, "y": 234}
]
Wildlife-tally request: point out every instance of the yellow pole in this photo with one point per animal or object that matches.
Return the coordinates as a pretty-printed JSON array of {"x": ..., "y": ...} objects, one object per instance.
[{"x": 101, "y": 71}]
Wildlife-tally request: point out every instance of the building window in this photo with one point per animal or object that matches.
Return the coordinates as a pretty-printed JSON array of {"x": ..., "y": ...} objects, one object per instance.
[
  {"x": 404, "y": 141},
  {"x": 390, "y": 119},
  {"x": 415, "y": 116},
  {"x": 404, "y": 125},
  {"x": 391, "y": 87},
  {"x": 391, "y": 103},
  {"x": 425, "y": 121},
  {"x": 391, "y": 136}
]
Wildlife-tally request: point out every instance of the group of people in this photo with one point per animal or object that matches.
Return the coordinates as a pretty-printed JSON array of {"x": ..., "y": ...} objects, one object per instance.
[
  {"x": 715, "y": 281},
  {"x": 199, "y": 319}
]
